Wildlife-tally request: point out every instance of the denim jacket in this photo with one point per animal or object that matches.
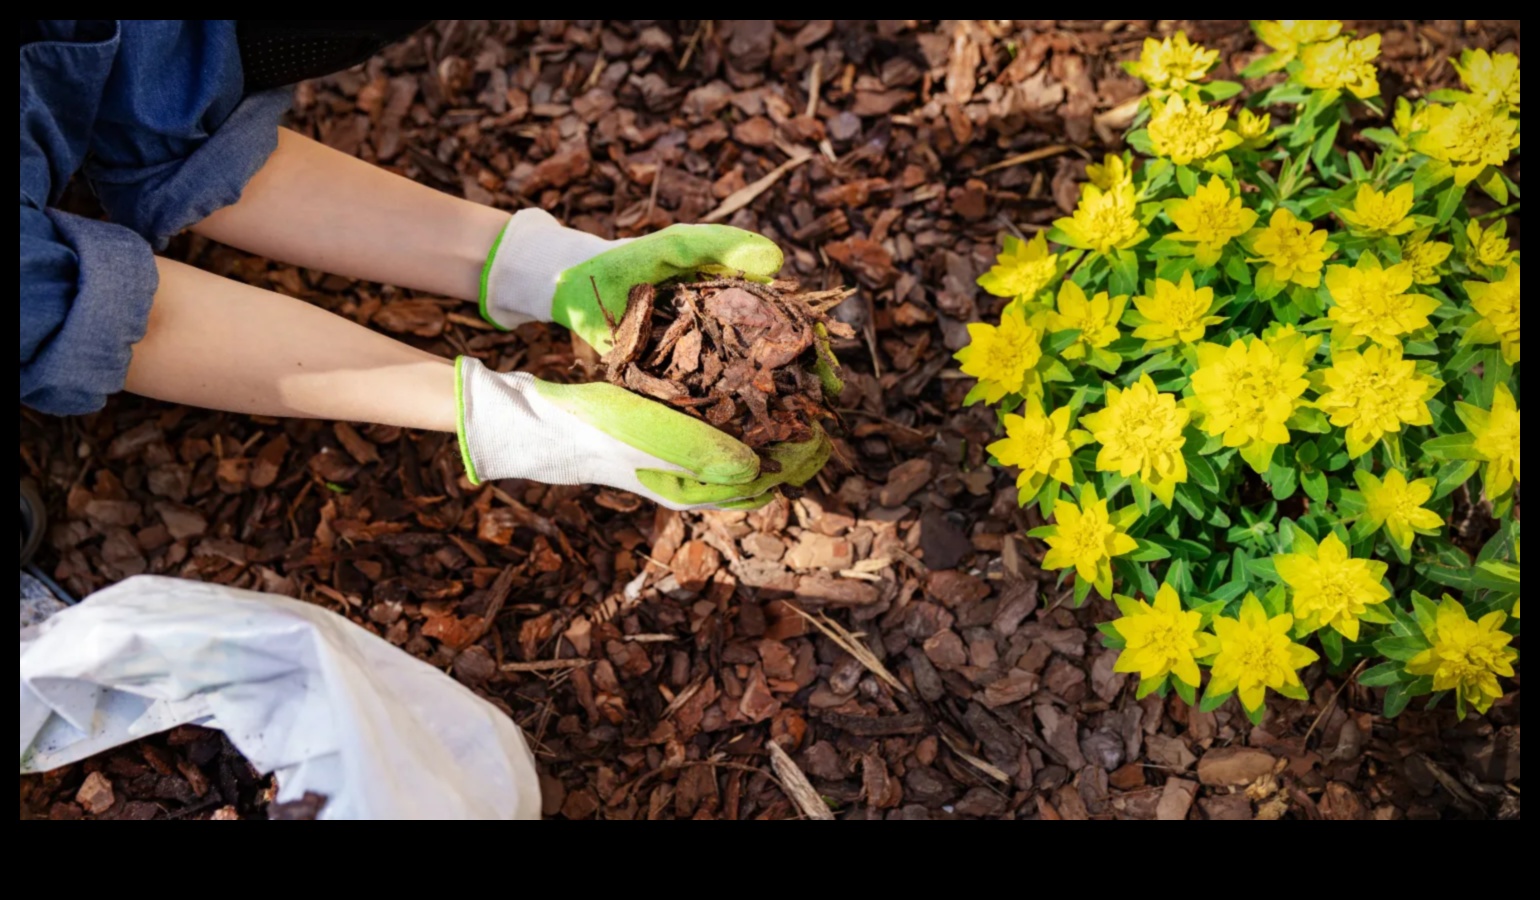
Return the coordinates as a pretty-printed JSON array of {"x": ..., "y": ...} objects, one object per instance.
[{"x": 153, "y": 114}]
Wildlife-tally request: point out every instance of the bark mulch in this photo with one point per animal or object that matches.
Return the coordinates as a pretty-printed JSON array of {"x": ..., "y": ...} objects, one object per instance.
[{"x": 889, "y": 628}]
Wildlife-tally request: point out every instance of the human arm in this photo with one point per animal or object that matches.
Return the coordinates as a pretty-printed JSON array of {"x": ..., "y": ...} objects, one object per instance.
[{"x": 219, "y": 344}]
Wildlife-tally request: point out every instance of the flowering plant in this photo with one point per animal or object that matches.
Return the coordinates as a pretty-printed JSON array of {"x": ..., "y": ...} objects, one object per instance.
[{"x": 1256, "y": 373}]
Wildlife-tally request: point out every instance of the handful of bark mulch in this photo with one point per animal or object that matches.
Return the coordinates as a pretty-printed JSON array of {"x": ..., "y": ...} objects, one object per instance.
[
  {"x": 751, "y": 359},
  {"x": 185, "y": 773}
]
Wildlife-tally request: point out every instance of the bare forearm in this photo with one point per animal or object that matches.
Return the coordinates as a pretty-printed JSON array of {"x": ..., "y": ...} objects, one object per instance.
[
  {"x": 316, "y": 207},
  {"x": 220, "y": 344}
]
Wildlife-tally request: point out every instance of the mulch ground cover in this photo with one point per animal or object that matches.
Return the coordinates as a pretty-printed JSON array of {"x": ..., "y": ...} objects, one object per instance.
[{"x": 888, "y": 628}]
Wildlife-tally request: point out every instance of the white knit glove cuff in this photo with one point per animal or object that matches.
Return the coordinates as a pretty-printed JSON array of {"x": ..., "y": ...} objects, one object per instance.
[
  {"x": 519, "y": 280},
  {"x": 508, "y": 430}
]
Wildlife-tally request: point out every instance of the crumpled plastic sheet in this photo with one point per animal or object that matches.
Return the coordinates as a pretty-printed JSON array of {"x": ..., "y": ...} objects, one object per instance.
[{"x": 303, "y": 693}]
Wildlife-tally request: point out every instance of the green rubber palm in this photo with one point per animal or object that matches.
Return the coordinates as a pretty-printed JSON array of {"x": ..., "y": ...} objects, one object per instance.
[{"x": 680, "y": 250}]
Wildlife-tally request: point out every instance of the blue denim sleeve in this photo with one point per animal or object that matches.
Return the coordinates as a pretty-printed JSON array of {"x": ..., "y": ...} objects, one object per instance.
[
  {"x": 174, "y": 140},
  {"x": 156, "y": 108}
]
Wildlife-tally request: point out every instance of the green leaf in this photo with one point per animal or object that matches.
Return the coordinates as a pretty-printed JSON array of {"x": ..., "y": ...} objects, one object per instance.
[
  {"x": 1383, "y": 675},
  {"x": 1266, "y": 65},
  {"x": 1213, "y": 701},
  {"x": 1331, "y": 642},
  {"x": 1448, "y": 202},
  {"x": 1201, "y": 473},
  {"x": 1187, "y": 692},
  {"x": 1149, "y": 552},
  {"x": 1125, "y": 273},
  {"x": 1404, "y": 649},
  {"x": 1316, "y": 486},
  {"x": 1396, "y": 700},
  {"x": 1218, "y": 91}
]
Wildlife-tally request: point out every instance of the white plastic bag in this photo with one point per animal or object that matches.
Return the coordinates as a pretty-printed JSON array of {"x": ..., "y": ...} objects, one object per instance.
[{"x": 301, "y": 692}]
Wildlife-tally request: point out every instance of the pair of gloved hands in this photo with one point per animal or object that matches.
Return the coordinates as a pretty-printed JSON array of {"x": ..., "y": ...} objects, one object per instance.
[{"x": 516, "y": 426}]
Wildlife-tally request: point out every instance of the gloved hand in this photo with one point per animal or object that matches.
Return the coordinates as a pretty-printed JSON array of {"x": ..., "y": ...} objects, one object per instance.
[
  {"x": 542, "y": 271},
  {"x": 516, "y": 426}
]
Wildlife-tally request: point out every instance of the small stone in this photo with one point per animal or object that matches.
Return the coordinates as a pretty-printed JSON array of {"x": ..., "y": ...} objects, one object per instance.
[
  {"x": 764, "y": 546},
  {"x": 95, "y": 795},
  {"x": 817, "y": 552},
  {"x": 1234, "y": 766},
  {"x": 1176, "y": 800}
]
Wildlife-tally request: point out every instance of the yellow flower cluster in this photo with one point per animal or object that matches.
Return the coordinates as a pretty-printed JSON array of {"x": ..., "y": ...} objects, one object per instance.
[
  {"x": 1173, "y": 64},
  {"x": 1247, "y": 393},
  {"x": 1176, "y": 313},
  {"x": 1210, "y": 219},
  {"x": 1140, "y": 432},
  {"x": 1372, "y": 301},
  {"x": 1292, "y": 251},
  {"x": 1375, "y": 393},
  {"x": 1187, "y": 132},
  {"x": 1496, "y": 433},
  {"x": 1004, "y": 359},
  {"x": 1498, "y": 304},
  {"x": 1330, "y": 588},
  {"x": 1287, "y": 36},
  {"x": 1023, "y": 270},
  {"x": 1342, "y": 64},
  {"x": 1467, "y": 657},
  {"x": 1106, "y": 220}
]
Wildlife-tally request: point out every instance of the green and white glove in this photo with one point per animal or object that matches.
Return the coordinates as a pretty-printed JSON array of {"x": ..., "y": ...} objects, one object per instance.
[
  {"x": 541, "y": 271},
  {"x": 516, "y": 426}
]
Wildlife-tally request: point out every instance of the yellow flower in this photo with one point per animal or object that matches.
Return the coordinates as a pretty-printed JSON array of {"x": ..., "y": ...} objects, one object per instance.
[
  {"x": 1038, "y": 445},
  {"x": 1493, "y": 79},
  {"x": 1004, "y": 359},
  {"x": 1410, "y": 119},
  {"x": 1287, "y": 36},
  {"x": 1342, "y": 64},
  {"x": 1211, "y": 218},
  {"x": 1113, "y": 173},
  {"x": 1425, "y": 256},
  {"x": 1467, "y": 657},
  {"x": 1469, "y": 138},
  {"x": 1376, "y": 214},
  {"x": 1159, "y": 640},
  {"x": 1396, "y": 505},
  {"x": 1254, "y": 653},
  {"x": 1498, "y": 304},
  {"x": 1375, "y": 393},
  {"x": 1140, "y": 431},
  {"x": 1497, "y": 440},
  {"x": 1188, "y": 132},
  {"x": 1247, "y": 394},
  {"x": 1177, "y": 313},
  {"x": 1086, "y": 539},
  {"x": 1488, "y": 247},
  {"x": 1330, "y": 588},
  {"x": 1022, "y": 269},
  {"x": 1294, "y": 251},
  {"x": 1174, "y": 63},
  {"x": 1105, "y": 221},
  {"x": 1371, "y": 301},
  {"x": 1096, "y": 319},
  {"x": 1255, "y": 131}
]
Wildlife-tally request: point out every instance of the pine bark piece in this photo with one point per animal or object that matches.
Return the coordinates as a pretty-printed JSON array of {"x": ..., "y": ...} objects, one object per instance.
[
  {"x": 632, "y": 333},
  {"x": 736, "y": 353}
]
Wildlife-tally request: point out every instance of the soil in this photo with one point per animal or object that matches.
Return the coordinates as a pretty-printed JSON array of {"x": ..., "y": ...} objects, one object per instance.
[{"x": 887, "y": 637}]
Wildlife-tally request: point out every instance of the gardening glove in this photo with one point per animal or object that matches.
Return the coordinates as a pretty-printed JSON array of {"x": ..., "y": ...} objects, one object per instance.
[
  {"x": 516, "y": 426},
  {"x": 540, "y": 271}
]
